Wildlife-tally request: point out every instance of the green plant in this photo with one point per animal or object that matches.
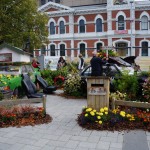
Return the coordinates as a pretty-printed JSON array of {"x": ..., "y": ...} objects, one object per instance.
[
  {"x": 50, "y": 81},
  {"x": 50, "y": 75},
  {"x": 127, "y": 84},
  {"x": 146, "y": 90},
  {"x": 117, "y": 95},
  {"x": 72, "y": 85}
]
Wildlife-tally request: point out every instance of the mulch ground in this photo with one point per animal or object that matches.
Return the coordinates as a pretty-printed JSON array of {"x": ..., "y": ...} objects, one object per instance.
[{"x": 120, "y": 126}]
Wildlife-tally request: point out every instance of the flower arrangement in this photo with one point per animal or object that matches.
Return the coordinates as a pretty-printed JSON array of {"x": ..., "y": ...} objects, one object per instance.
[
  {"x": 72, "y": 85},
  {"x": 117, "y": 119},
  {"x": 103, "y": 53},
  {"x": 22, "y": 115},
  {"x": 59, "y": 81}
]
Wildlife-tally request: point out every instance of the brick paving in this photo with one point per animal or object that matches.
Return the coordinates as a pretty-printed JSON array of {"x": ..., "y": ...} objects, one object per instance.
[{"x": 63, "y": 133}]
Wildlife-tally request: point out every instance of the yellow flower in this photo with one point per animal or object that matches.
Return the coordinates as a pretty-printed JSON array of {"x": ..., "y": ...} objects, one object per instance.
[
  {"x": 94, "y": 110},
  {"x": 101, "y": 114},
  {"x": 132, "y": 118},
  {"x": 92, "y": 113},
  {"x": 98, "y": 117},
  {"x": 122, "y": 113},
  {"x": 106, "y": 108},
  {"x": 101, "y": 110},
  {"x": 88, "y": 109},
  {"x": 86, "y": 115},
  {"x": 128, "y": 115},
  {"x": 100, "y": 122},
  {"x": 106, "y": 113}
]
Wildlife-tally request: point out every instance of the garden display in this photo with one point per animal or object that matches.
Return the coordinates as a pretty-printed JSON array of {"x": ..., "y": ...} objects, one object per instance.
[
  {"x": 121, "y": 118},
  {"x": 11, "y": 76}
]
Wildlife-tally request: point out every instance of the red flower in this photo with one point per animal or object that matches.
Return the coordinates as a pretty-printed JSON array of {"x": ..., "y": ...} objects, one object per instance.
[{"x": 59, "y": 80}]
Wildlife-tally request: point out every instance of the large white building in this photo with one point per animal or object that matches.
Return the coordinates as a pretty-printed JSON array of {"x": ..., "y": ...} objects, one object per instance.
[{"x": 77, "y": 26}]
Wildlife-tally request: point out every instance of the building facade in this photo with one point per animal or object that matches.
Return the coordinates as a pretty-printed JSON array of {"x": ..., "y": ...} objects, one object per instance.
[{"x": 104, "y": 24}]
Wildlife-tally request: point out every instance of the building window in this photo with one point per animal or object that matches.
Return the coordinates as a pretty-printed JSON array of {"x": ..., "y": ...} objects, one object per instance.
[
  {"x": 121, "y": 24},
  {"x": 99, "y": 47},
  {"x": 81, "y": 26},
  {"x": 50, "y": 0},
  {"x": 144, "y": 48},
  {"x": 62, "y": 50},
  {"x": 43, "y": 2},
  {"x": 144, "y": 23},
  {"x": 99, "y": 25},
  {"x": 52, "y": 50},
  {"x": 52, "y": 28},
  {"x": 122, "y": 49},
  {"x": 62, "y": 27},
  {"x": 82, "y": 49}
]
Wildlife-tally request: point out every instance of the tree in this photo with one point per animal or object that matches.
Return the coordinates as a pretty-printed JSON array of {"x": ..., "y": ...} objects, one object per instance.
[{"x": 21, "y": 24}]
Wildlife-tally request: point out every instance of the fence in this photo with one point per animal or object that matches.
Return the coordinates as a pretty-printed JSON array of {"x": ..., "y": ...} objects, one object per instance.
[
  {"x": 115, "y": 103},
  {"x": 24, "y": 101},
  {"x": 87, "y": 52}
]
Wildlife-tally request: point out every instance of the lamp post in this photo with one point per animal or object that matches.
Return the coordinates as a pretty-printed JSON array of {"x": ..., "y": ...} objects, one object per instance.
[{"x": 131, "y": 21}]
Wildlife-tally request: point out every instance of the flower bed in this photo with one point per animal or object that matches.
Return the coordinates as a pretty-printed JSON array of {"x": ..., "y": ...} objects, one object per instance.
[
  {"x": 117, "y": 119},
  {"x": 23, "y": 116}
]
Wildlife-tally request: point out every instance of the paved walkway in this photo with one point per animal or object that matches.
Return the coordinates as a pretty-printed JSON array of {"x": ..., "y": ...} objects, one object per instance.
[{"x": 63, "y": 133}]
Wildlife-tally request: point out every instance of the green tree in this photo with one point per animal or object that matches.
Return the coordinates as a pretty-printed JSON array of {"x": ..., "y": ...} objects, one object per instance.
[{"x": 20, "y": 22}]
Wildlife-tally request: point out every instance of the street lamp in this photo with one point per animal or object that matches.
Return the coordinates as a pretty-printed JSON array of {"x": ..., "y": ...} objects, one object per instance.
[{"x": 131, "y": 21}]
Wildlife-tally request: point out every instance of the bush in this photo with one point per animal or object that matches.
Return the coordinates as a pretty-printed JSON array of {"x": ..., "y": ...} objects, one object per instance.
[
  {"x": 50, "y": 75},
  {"x": 146, "y": 90},
  {"x": 72, "y": 85},
  {"x": 127, "y": 84}
]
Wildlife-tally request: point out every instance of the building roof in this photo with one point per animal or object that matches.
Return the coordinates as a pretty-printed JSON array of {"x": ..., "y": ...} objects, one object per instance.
[{"x": 15, "y": 49}]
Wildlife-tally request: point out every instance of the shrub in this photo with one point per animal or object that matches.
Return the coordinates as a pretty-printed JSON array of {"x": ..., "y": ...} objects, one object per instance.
[
  {"x": 117, "y": 95},
  {"x": 146, "y": 90},
  {"x": 72, "y": 85},
  {"x": 127, "y": 84}
]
